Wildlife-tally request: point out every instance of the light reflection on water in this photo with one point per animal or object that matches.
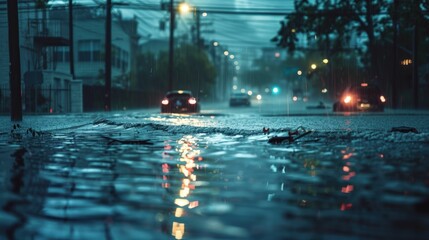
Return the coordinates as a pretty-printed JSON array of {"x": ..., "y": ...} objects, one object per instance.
[
  {"x": 209, "y": 186},
  {"x": 188, "y": 165},
  {"x": 183, "y": 119}
]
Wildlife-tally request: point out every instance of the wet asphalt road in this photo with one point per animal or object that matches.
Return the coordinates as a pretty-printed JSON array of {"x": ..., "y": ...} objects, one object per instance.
[{"x": 214, "y": 176}]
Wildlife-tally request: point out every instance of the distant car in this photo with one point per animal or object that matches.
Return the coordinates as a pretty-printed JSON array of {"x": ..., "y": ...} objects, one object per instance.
[
  {"x": 364, "y": 97},
  {"x": 179, "y": 101},
  {"x": 239, "y": 99},
  {"x": 298, "y": 95}
]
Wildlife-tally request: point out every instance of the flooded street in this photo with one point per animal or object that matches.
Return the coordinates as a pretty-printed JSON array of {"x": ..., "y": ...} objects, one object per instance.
[{"x": 158, "y": 176}]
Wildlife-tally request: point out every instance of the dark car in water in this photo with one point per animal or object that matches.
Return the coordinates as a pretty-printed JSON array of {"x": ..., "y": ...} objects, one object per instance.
[
  {"x": 363, "y": 97},
  {"x": 179, "y": 101},
  {"x": 239, "y": 99}
]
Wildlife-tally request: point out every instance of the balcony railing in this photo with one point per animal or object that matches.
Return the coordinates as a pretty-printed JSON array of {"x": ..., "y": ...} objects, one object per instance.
[{"x": 48, "y": 32}]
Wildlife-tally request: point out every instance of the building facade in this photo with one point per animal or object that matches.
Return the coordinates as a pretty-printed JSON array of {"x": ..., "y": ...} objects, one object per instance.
[{"x": 45, "y": 55}]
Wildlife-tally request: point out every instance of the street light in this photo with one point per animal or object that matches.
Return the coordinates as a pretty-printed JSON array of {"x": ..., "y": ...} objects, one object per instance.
[
  {"x": 313, "y": 66},
  {"x": 325, "y": 61},
  {"x": 183, "y": 8}
]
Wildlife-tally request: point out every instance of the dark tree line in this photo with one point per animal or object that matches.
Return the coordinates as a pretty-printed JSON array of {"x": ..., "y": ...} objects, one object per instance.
[
  {"x": 194, "y": 71},
  {"x": 385, "y": 26}
]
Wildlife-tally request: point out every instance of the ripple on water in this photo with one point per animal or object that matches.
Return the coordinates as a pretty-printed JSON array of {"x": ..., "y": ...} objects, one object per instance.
[
  {"x": 244, "y": 188},
  {"x": 244, "y": 155}
]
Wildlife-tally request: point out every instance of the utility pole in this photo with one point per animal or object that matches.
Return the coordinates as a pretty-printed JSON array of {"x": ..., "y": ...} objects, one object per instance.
[
  {"x": 71, "y": 39},
  {"x": 416, "y": 65},
  {"x": 171, "y": 47},
  {"x": 395, "y": 57},
  {"x": 198, "y": 14},
  {"x": 108, "y": 56},
  {"x": 14, "y": 61}
]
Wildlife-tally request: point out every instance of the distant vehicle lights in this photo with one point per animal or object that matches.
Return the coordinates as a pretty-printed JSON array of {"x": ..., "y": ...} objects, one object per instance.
[
  {"x": 276, "y": 90},
  {"x": 347, "y": 99},
  {"x": 164, "y": 101}
]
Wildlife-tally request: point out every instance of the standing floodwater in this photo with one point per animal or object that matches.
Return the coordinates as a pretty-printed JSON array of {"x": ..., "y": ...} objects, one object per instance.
[{"x": 174, "y": 177}]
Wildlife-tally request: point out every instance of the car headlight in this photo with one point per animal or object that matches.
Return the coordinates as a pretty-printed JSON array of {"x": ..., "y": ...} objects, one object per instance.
[
  {"x": 347, "y": 99},
  {"x": 382, "y": 99},
  {"x": 192, "y": 101},
  {"x": 164, "y": 101}
]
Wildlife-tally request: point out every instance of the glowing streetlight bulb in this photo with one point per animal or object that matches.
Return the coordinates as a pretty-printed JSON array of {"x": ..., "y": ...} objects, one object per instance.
[
  {"x": 184, "y": 8},
  {"x": 226, "y": 53},
  {"x": 299, "y": 72},
  {"x": 325, "y": 61},
  {"x": 313, "y": 66},
  {"x": 215, "y": 44}
]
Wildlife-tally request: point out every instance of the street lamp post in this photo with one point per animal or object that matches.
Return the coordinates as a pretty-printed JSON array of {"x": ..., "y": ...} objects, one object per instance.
[
  {"x": 14, "y": 61},
  {"x": 183, "y": 7},
  {"x": 171, "y": 47}
]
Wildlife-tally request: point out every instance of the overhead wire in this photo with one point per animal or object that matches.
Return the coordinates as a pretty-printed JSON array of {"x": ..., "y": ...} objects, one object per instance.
[{"x": 209, "y": 9}]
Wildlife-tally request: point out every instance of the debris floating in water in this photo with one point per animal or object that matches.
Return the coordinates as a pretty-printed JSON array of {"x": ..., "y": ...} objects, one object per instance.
[
  {"x": 404, "y": 129},
  {"x": 292, "y": 136}
]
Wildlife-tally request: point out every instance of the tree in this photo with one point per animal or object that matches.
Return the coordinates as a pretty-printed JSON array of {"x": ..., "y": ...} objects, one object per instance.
[
  {"x": 193, "y": 71},
  {"x": 146, "y": 72},
  {"x": 331, "y": 25}
]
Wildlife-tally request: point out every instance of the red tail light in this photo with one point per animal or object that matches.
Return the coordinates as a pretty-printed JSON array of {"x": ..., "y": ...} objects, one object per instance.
[{"x": 192, "y": 101}]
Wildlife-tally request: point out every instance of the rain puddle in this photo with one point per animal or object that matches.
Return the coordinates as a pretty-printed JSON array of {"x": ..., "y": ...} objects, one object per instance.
[{"x": 107, "y": 182}]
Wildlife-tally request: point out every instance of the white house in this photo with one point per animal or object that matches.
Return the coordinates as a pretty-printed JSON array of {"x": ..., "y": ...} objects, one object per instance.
[{"x": 45, "y": 55}]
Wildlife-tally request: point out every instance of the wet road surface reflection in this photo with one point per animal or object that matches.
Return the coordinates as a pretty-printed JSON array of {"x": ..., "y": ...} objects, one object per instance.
[{"x": 79, "y": 185}]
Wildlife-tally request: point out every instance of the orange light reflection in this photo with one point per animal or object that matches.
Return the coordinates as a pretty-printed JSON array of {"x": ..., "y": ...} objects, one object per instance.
[
  {"x": 345, "y": 206},
  {"x": 178, "y": 230},
  {"x": 188, "y": 152},
  {"x": 347, "y": 189}
]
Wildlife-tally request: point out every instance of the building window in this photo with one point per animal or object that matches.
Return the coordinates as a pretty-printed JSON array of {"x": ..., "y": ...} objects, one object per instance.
[
  {"x": 119, "y": 58},
  {"x": 116, "y": 56},
  {"x": 89, "y": 50},
  {"x": 125, "y": 61},
  {"x": 61, "y": 54}
]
